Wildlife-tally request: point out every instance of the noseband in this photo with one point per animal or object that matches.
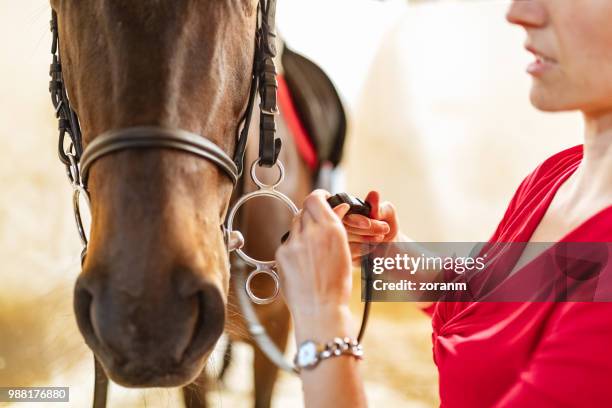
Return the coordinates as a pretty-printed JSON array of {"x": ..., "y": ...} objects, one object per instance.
[{"x": 154, "y": 137}]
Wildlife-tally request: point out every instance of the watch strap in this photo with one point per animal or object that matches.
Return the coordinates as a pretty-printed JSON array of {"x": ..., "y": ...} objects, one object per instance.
[{"x": 337, "y": 347}]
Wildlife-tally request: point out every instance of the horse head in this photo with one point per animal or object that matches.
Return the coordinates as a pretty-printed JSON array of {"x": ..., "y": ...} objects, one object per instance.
[{"x": 150, "y": 301}]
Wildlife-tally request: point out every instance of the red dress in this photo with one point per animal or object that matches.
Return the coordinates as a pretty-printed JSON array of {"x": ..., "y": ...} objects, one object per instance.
[{"x": 528, "y": 354}]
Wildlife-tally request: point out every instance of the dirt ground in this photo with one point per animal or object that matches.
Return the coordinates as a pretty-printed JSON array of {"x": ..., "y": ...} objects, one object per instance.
[{"x": 420, "y": 133}]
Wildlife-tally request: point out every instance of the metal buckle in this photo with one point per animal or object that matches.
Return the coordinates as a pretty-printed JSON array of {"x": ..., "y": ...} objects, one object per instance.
[{"x": 268, "y": 111}]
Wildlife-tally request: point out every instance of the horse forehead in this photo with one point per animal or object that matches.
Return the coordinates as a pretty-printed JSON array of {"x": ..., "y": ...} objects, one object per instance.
[
  {"x": 114, "y": 25},
  {"x": 164, "y": 10}
]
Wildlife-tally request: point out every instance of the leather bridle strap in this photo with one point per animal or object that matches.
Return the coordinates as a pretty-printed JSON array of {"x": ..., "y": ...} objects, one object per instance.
[
  {"x": 264, "y": 81},
  {"x": 269, "y": 144},
  {"x": 143, "y": 137}
]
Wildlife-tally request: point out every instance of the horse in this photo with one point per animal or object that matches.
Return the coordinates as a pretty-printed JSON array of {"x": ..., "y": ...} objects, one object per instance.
[{"x": 154, "y": 294}]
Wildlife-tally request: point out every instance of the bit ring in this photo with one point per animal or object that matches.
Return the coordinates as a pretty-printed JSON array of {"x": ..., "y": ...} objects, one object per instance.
[{"x": 256, "y": 299}]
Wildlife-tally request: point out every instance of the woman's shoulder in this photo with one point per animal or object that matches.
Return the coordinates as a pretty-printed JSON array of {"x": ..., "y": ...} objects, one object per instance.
[
  {"x": 534, "y": 189},
  {"x": 550, "y": 171}
]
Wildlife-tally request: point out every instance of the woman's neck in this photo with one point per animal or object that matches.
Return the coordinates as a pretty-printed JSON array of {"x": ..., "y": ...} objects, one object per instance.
[
  {"x": 594, "y": 177},
  {"x": 597, "y": 135}
]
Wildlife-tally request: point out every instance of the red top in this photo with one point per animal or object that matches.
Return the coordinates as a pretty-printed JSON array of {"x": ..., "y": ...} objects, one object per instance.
[{"x": 529, "y": 354}]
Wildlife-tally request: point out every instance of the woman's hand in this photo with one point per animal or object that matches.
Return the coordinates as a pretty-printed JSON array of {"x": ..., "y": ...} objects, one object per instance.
[
  {"x": 315, "y": 270},
  {"x": 316, "y": 281},
  {"x": 381, "y": 226}
]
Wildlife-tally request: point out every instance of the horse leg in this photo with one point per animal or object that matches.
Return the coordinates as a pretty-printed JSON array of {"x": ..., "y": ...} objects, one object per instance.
[{"x": 266, "y": 372}]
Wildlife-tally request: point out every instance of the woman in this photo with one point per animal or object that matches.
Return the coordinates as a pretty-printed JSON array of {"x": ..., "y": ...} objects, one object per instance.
[{"x": 489, "y": 354}]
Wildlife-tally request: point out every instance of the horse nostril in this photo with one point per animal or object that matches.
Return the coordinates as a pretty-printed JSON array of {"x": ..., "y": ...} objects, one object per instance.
[
  {"x": 210, "y": 321},
  {"x": 83, "y": 299}
]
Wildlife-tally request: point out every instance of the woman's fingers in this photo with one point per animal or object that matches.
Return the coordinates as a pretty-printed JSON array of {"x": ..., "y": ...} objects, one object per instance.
[
  {"x": 296, "y": 226},
  {"x": 376, "y": 228},
  {"x": 357, "y": 221},
  {"x": 365, "y": 238},
  {"x": 316, "y": 205},
  {"x": 384, "y": 211},
  {"x": 373, "y": 198},
  {"x": 341, "y": 210},
  {"x": 307, "y": 219},
  {"x": 387, "y": 212}
]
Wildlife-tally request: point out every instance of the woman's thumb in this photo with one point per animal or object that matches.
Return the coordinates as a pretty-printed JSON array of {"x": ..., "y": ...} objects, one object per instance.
[
  {"x": 341, "y": 210},
  {"x": 373, "y": 198}
]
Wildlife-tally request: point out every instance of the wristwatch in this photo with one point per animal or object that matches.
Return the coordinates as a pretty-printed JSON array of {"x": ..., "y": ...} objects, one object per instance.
[{"x": 310, "y": 353}]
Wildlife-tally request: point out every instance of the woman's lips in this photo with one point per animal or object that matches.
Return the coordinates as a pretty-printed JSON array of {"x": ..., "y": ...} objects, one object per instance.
[
  {"x": 540, "y": 66},
  {"x": 542, "y": 63}
]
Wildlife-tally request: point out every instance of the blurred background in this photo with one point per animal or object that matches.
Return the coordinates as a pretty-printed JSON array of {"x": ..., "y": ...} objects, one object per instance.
[{"x": 440, "y": 124}]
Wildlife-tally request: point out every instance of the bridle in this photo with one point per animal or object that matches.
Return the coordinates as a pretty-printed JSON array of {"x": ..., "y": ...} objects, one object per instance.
[{"x": 79, "y": 160}]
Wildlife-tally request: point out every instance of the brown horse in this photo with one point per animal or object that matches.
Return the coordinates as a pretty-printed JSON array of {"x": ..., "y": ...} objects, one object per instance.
[{"x": 153, "y": 294}]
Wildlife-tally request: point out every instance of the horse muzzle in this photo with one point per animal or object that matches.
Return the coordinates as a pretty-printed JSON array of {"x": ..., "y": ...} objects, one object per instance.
[{"x": 161, "y": 341}]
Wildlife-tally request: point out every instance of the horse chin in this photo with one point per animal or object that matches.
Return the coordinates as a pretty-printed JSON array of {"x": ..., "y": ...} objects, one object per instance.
[{"x": 137, "y": 375}]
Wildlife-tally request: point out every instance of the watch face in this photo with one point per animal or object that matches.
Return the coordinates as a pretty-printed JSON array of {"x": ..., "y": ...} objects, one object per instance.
[{"x": 307, "y": 354}]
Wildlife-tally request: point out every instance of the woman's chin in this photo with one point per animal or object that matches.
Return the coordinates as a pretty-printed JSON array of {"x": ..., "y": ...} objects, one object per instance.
[{"x": 546, "y": 102}]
